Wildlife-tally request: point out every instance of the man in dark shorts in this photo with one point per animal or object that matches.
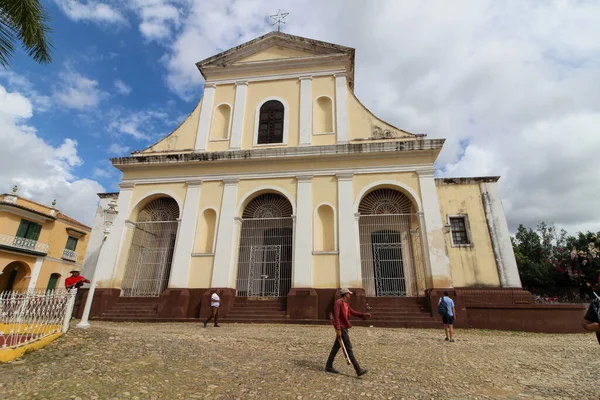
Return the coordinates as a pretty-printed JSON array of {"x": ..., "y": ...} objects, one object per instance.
[
  {"x": 591, "y": 320},
  {"x": 448, "y": 317}
]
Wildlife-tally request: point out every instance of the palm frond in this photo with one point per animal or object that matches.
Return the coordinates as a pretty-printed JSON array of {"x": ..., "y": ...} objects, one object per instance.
[
  {"x": 29, "y": 21},
  {"x": 7, "y": 39}
]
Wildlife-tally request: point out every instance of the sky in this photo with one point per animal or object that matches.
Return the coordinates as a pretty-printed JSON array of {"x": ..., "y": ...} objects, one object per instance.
[{"x": 513, "y": 87}]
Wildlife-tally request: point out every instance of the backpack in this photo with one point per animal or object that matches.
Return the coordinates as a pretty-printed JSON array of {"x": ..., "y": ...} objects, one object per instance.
[{"x": 442, "y": 308}]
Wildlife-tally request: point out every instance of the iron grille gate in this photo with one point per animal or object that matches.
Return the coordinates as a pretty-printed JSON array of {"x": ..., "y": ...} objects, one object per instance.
[
  {"x": 149, "y": 260},
  {"x": 265, "y": 257},
  {"x": 391, "y": 257}
]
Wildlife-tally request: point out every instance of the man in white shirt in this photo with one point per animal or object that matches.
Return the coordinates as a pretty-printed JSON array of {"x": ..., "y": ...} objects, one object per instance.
[{"x": 215, "y": 303}]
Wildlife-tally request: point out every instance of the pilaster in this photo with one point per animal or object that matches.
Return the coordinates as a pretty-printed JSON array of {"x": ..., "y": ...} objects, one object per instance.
[
  {"x": 224, "y": 262},
  {"x": 305, "y": 109},
  {"x": 35, "y": 273},
  {"x": 205, "y": 114},
  {"x": 506, "y": 263},
  {"x": 239, "y": 108},
  {"x": 341, "y": 108},
  {"x": 302, "y": 269},
  {"x": 350, "y": 273},
  {"x": 185, "y": 237},
  {"x": 439, "y": 263}
]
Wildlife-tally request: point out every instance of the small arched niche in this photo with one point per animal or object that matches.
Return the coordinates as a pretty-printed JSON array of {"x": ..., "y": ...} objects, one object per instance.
[
  {"x": 323, "y": 118},
  {"x": 325, "y": 237},
  {"x": 206, "y": 234},
  {"x": 221, "y": 122}
]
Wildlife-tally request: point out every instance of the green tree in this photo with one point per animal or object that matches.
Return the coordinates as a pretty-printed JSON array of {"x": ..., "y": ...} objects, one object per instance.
[
  {"x": 25, "y": 21},
  {"x": 580, "y": 259},
  {"x": 534, "y": 251}
]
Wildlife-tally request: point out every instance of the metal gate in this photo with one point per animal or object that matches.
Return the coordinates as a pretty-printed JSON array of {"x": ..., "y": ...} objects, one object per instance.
[
  {"x": 264, "y": 271},
  {"x": 392, "y": 261},
  {"x": 149, "y": 261},
  {"x": 265, "y": 257}
]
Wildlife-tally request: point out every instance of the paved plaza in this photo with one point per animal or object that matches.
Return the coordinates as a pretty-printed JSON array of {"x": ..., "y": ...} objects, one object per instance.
[{"x": 186, "y": 361}]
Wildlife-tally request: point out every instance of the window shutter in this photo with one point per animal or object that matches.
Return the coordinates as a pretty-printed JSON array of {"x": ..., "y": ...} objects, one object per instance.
[
  {"x": 22, "y": 231},
  {"x": 33, "y": 232},
  {"x": 71, "y": 243}
]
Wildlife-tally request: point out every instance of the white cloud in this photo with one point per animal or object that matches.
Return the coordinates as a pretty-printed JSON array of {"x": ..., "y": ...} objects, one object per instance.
[
  {"x": 99, "y": 13},
  {"x": 122, "y": 87},
  {"x": 78, "y": 92},
  {"x": 159, "y": 18},
  {"x": 41, "y": 171},
  {"x": 20, "y": 83},
  {"x": 140, "y": 125},
  {"x": 119, "y": 150}
]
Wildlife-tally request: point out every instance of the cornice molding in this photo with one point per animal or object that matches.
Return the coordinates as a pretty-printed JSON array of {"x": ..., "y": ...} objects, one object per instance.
[{"x": 274, "y": 77}]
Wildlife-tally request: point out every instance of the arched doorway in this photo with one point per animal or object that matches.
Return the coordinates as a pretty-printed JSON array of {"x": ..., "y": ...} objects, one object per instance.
[
  {"x": 151, "y": 253},
  {"x": 390, "y": 244},
  {"x": 265, "y": 253},
  {"x": 13, "y": 276}
]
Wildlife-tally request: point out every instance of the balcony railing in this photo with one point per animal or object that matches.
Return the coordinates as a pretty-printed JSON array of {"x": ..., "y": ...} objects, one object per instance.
[
  {"x": 20, "y": 243},
  {"x": 69, "y": 255}
]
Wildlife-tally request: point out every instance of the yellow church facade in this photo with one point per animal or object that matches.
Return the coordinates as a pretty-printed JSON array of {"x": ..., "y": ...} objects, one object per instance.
[{"x": 281, "y": 185}]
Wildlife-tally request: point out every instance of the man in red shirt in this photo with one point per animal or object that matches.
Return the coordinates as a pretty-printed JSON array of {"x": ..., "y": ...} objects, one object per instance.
[
  {"x": 341, "y": 321},
  {"x": 75, "y": 280}
]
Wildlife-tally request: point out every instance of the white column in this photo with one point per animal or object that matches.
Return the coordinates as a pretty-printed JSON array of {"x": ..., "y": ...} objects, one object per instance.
[
  {"x": 36, "y": 272},
  {"x": 341, "y": 108},
  {"x": 350, "y": 274},
  {"x": 434, "y": 225},
  {"x": 500, "y": 236},
  {"x": 305, "y": 109},
  {"x": 224, "y": 260},
  {"x": 185, "y": 237},
  {"x": 302, "y": 268},
  {"x": 107, "y": 266},
  {"x": 239, "y": 107},
  {"x": 205, "y": 114}
]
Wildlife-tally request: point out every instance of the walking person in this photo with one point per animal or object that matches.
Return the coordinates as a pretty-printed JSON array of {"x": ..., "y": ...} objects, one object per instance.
[
  {"x": 448, "y": 312},
  {"x": 215, "y": 303},
  {"x": 341, "y": 322},
  {"x": 591, "y": 320}
]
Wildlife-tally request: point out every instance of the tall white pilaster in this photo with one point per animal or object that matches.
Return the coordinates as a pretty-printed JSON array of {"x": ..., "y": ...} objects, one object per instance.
[
  {"x": 434, "y": 225},
  {"x": 500, "y": 235},
  {"x": 205, "y": 114},
  {"x": 239, "y": 107},
  {"x": 37, "y": 267},
  {"x": 341, "y": 108},
  {"x": 305, "y": 109},
  {"x": 185, "y": 237},
  {"x": 224, "y": 263},
  {"x": 350, "y": 274},
  {"x": 107, "y": 264},
  {"x": 302, "y": 276}
]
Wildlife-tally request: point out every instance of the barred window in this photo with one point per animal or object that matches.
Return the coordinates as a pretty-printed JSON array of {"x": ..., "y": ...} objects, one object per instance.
[
  {"x": 458, "y": 228},
  {"x": 270, "y": 128}
]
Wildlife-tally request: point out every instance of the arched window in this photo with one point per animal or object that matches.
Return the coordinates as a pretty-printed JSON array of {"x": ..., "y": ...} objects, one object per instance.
[
  {"x": 53, "y": 281},
  {"x": 323, "y": 117},
  {"x": 325, "y": 232},
  {"x": 271, "y": 122},
  {"x": 221, "y": 122},
  {"x": 206, "y": 234}
]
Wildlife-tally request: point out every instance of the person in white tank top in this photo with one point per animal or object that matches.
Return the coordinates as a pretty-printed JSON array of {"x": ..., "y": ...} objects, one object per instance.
[{"x": 215, "y": 303}]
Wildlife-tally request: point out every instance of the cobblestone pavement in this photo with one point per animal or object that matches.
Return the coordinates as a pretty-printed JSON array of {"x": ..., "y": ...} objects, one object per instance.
[{"x": 186, "y": 361}]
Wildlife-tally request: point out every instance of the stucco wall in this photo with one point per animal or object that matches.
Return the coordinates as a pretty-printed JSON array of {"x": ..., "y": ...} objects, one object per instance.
[
  {"x": 476, "y": 265},
  {"x": 183, "y": 137}
]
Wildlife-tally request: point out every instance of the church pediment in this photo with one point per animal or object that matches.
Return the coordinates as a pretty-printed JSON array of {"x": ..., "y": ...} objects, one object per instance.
[{"x": 278, "y": 50}]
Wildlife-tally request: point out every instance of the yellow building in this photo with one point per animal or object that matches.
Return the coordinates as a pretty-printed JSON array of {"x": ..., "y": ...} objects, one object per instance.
[
  {"x": 281, "y": 185},
  {"x": 38, "y": 244}
]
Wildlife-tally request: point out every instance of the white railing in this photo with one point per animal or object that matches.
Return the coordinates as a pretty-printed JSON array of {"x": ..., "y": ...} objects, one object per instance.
[
  {"x": 23, "y": 243},
  {"x": 29, "y": 316},
  {"x": 69, "y": 255}
]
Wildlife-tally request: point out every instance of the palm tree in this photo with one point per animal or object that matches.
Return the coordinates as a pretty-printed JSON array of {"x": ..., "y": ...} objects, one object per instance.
[{"x": 25, "y": 21}]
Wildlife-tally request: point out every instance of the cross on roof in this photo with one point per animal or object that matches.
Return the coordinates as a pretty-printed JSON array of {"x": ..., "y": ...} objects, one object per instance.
[{"x": 278, "y": 19}]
